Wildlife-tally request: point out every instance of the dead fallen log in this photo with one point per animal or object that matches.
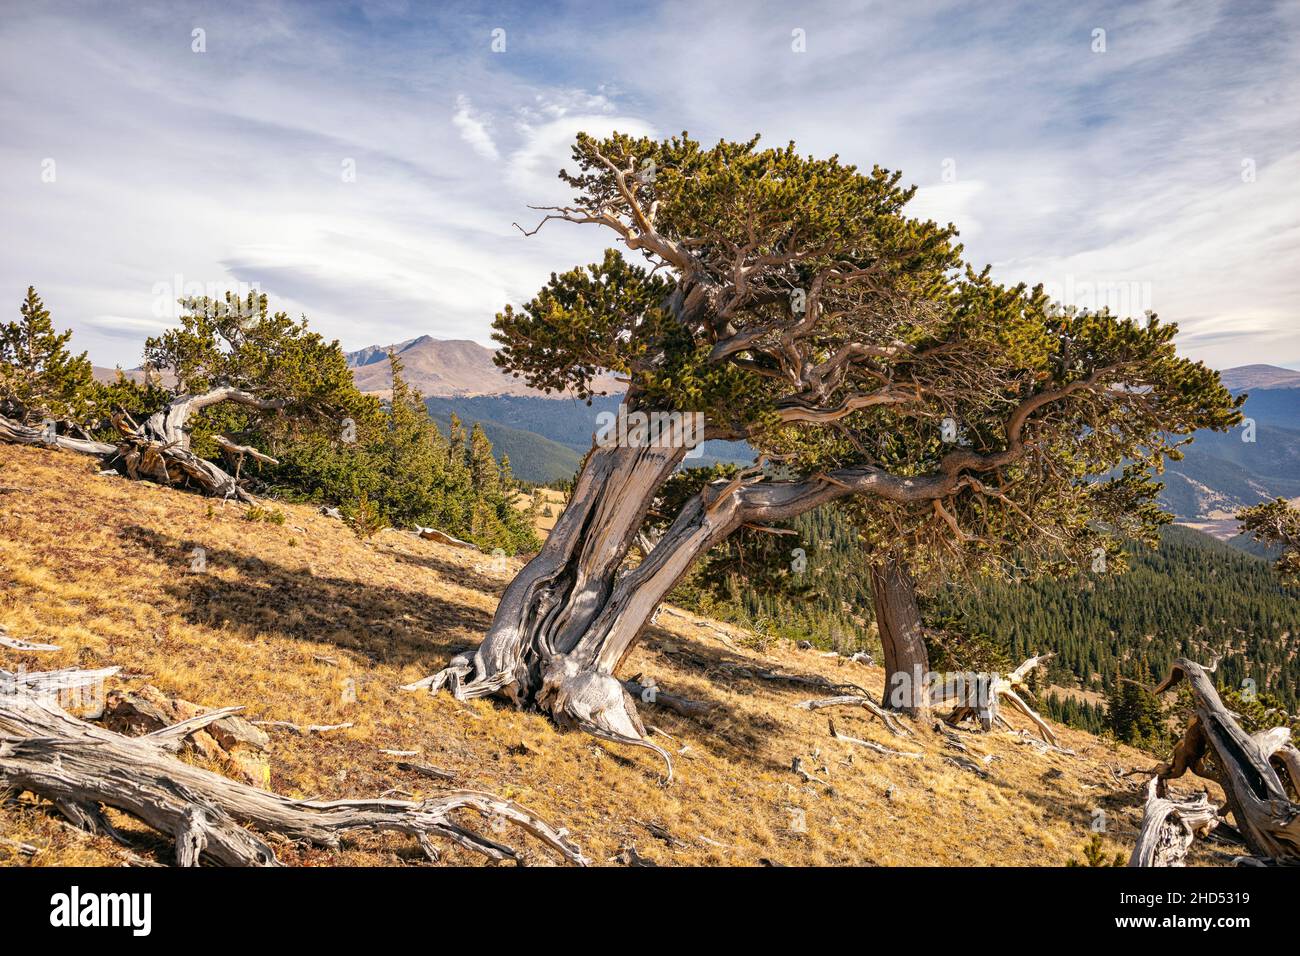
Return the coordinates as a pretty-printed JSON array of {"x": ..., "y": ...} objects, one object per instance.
[
  {"x": 17, "y": 433},
  {"x": 652, "y": 694},
  {"x": 81, "y": 768},
  {"x": 982, "y": 697},
  {"x": 1259, "y": 774},
  {"x": 890, "y": 721},
  {"x": 17, "y": 644},
  {"x": 442, "y": 537},
  {"x": 49, "y": 684},
  {"x": 871, "y": 745},
  {"x": 159, "y": 450},
  {"x": 1169, "y": 827},
  {"x": 19, "y": 847},
  {"x": 1040, "y": 746}
]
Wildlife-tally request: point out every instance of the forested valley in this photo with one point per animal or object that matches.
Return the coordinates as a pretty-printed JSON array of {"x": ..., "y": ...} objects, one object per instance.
[{"x": 1194, "y": 596}]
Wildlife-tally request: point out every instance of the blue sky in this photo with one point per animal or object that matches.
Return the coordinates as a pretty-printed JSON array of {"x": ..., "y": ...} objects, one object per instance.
[{"x": 1161, "y": 172}]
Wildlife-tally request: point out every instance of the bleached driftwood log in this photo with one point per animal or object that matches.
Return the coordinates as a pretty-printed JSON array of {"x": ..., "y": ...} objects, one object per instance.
[
  {"x": 1259, "y": 774},
  {"x": 159, "y": 450},
  {"x": 870, "y": 745},
  {"x": 442, "y": 537},
  {"x": 50, "y": 684},
  {"x": 18, "y": 434},
  {"x": 82, "y": 768}
]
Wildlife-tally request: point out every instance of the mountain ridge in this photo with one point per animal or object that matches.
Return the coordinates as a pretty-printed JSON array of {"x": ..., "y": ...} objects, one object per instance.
[
  {"x": 545, "y": 434},
  {"x": 1242, "y": 378},
  {"x": 447, "y": 368}
]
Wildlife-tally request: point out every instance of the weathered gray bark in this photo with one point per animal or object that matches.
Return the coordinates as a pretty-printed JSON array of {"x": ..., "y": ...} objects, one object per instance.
[
  {"x": 159, "y": 450},
  {"x": 567, "y": 619},
  {"x": 982, "y": 695},
  {"x": 82, "y": 768},
  {"x": 18, "y": 644},
  {"x": 566, "y": 623},
  {"x": 902, "y": 637},
  {"x": 1255, "y": 773},
  {"x": 1170, "y": 826},
  {"x": 20, "y": 434}
]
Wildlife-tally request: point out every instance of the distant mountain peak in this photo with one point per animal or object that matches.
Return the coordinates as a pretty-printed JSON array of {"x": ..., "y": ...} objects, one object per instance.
[
  {"x": 446, "y": 368},
  {"x": 1245, "y": 377}
]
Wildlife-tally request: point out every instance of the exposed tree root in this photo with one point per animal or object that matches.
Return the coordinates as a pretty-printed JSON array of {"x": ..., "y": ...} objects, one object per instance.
[
  {"x": 82, "y": 768},
  {"x": 17, "y": 644},
  {"x": 585, "y": 700},
  {"x": 596, "y": 703},
  {"x": 1260, "y": 775}
]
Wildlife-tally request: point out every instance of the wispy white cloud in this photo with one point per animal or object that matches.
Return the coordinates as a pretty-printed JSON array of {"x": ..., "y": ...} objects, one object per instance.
[
  {"x": 951, "y": 202},
  {"x": 473, "y": 130},
  {"x": 365, "y": 166},
  {"x": 544, "y": 149}
]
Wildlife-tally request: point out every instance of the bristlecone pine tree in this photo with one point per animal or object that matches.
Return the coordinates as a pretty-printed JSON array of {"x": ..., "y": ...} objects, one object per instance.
[
  {"x": 40, "y": 380},
  {"x": 1277, "y": 523},
  {"x": 792, "y": 302}
]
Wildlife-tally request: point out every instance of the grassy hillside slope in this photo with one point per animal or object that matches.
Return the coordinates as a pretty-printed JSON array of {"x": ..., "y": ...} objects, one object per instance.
[{"x": 288, "y": 617}]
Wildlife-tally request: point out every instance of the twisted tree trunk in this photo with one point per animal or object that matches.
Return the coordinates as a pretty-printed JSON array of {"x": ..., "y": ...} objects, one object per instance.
[
  {"x": 1260, "y": 775},
  {"x": 566, "y": 621},
  {"x": 569, "y": 618},
  {"x": 902, "y": 638},
  {"x": 1170, "y": 826}
]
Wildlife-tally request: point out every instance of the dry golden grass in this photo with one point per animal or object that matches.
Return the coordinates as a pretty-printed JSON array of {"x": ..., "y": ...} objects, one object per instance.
[
  {"x": 101, "y": 566},
  {"x": 550, "y": 498}
]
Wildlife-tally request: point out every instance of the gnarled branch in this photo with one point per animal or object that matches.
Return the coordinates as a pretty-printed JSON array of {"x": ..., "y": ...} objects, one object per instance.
[{"x": 81, "y": 768}]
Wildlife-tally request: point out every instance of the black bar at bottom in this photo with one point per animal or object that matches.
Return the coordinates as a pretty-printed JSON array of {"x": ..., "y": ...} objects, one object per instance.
[{"x": 261, "y": 907}]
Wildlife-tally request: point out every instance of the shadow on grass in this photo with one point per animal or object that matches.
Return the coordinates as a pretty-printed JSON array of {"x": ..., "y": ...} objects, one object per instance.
[
  {"x": 470, "y": 577},
  {"x": 395, "y": 626},
  {"x": 388, "y": 625}
]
